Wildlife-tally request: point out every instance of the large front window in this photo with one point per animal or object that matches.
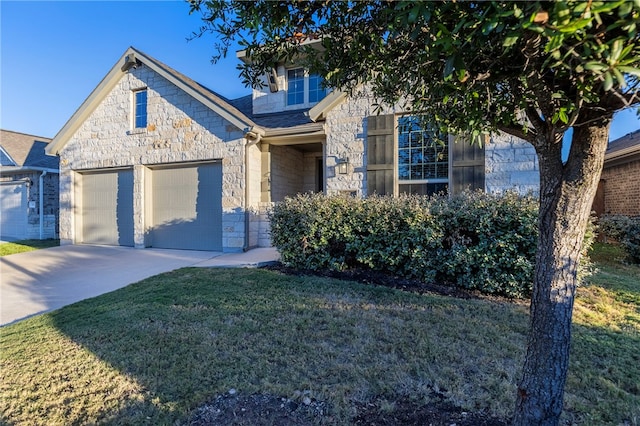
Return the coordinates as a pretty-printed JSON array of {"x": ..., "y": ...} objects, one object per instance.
[{"x": 423, "y": 161}]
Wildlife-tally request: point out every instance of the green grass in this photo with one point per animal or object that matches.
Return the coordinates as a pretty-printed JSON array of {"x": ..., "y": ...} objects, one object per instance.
[
  {"x": 152, "y": 352},
  {"x": 26, "y": 245}
]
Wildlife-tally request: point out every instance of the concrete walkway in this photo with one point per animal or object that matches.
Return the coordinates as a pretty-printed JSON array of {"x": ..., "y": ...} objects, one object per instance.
[{"x": 43, "y": 280}]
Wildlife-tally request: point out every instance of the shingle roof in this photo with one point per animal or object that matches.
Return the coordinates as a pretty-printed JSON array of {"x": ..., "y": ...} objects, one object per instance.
[
  {"x": 26, "y": 150},
  {"x": 275, "y": 120},
  {"x": 627, "y": 141},
  {"x": 214, "y": 97}
]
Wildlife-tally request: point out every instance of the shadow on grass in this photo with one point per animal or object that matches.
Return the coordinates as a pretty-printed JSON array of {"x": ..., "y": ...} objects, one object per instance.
[
  {"x": 187, "y": 336},
  {"x": 180, "y": 339}
]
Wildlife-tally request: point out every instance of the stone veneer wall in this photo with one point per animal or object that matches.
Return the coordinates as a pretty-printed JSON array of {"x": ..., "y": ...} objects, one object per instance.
[
  {"x": 287, "y": 172},
  {"x": 511, "y": 164},
  {"x": 622, "y": 189},
  {"x": 180, "y": 129},
  {"x": 346, "y": 130}
]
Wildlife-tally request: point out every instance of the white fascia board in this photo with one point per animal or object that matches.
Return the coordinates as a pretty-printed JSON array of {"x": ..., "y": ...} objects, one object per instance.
[
  {"x": 330, "y": 101},
  {"x": 13, "y": 169}
]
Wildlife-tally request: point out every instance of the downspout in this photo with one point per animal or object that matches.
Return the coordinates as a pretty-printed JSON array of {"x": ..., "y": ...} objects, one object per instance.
[
  {"x": 251, "y": 138},
  {"x": 41, "y": 206}
]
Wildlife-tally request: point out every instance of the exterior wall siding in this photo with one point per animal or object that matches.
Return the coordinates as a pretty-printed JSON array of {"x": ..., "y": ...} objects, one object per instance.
[
  {"x": 622, "y": 189},
  {"x": 180, "y": 129},
  {"x": 287, "y": 172},
  {"x": 50, "y": 203},
  {"x": 511, "y": 164},
  {"x": 346, "y": 130}
]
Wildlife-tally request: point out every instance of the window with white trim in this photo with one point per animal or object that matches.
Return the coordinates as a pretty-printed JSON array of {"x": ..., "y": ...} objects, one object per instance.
[
  {"x": 423, "y": 161},
  {"x": 304, "y": 88}
]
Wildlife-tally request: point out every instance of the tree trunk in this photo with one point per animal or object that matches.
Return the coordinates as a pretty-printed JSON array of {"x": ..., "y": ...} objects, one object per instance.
[{"x": 566, "y": 196}]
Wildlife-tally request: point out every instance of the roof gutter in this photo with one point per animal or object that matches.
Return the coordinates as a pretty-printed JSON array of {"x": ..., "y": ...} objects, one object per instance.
[{"x": 6, "y": 169}]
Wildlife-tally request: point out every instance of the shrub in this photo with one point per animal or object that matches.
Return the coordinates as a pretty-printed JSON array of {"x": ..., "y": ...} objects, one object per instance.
[
  {"x": 626, "y": 230},
  {"x": 489, "y": 242},
  {"x": 474, "y": 240}
]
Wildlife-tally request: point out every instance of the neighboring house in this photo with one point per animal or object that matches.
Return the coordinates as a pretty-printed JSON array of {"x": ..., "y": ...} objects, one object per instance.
[
  {"x": 619, "y": 188},
  {"x": 154, "y": 159},
  {"x": 28, "y": 187}
]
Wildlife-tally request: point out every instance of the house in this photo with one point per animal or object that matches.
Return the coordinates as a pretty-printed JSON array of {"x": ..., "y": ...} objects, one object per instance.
[
  {"x": 28, "y": 187},
  {"x": 619, "y": 187},
  {"x": 154, "y": 159}
]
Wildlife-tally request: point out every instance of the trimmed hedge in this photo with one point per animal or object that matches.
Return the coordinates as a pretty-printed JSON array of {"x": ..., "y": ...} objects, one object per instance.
[
  {"x": 626, "y": 230},
  {"x": 473, "y": 240}
]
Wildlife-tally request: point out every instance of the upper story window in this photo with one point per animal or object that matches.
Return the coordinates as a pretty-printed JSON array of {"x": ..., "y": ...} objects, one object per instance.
[
  {"x": 295, "y": 86},
  {"x": 304, "y": 88},
  {"x": 316, "y": 91},
  {"x": 423, "y": 162},
  {"x": 140, "y": 109}
]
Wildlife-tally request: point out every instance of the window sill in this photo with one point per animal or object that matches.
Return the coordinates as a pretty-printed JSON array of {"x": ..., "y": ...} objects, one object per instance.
[{"x": 137, "y": 132}]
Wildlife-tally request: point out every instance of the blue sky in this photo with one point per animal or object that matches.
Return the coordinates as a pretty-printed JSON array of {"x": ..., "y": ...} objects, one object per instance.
[{"x": 54, "y": 53}]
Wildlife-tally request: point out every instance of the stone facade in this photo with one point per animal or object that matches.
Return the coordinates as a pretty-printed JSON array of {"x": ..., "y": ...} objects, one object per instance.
[
  {"x": 511, "y": 164},
  {"x": 259, "y": 165},
  {"x": 180, "y": 129}
]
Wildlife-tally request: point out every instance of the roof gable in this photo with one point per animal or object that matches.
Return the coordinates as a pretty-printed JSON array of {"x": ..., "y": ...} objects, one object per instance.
[{"x": 212, "y": 100}]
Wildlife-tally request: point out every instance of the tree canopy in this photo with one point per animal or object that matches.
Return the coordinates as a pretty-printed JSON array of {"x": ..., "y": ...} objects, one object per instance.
[
  {"x": 532, "y": 69},
  {"x": 467, "y": 65}
]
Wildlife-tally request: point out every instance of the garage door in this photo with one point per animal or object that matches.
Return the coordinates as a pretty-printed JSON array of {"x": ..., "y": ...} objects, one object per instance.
[
  {"x": 107, "y": 208},
  {"x": 13, "y": 210},
  {"x": 187, "y": 207}
]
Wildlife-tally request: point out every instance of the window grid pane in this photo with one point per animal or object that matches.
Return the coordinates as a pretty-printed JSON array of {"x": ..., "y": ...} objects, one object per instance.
[
  {"x": 295, "y": 86},
  {"x": 141, "y": 109},
  {"x": 316, "y": 91},
  {"x": 420, "y": 157}
]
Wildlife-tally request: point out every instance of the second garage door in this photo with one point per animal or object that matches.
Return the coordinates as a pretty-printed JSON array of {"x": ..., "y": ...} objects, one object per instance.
[{"x": 186, "y": 207}]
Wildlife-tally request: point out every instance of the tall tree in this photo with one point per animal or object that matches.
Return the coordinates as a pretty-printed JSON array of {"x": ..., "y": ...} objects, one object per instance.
[{"x": 530, "y": 69}]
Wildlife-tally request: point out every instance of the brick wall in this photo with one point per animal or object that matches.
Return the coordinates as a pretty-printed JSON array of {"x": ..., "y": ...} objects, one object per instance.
[{"x": 622, "y": 189}]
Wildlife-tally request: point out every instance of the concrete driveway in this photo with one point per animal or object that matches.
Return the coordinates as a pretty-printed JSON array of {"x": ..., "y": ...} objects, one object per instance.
[{"x": 42, "y": 280}]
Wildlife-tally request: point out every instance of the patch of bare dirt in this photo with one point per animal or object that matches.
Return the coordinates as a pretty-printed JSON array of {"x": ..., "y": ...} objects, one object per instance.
[
  {"x": 258, "y": 409},
  {"x": 262, "y": 410}
]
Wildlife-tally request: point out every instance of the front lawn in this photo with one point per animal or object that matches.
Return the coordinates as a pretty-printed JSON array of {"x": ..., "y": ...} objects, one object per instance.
[
  {"x": 155, "y": 351},
  {"x": 26, "y": 245}
]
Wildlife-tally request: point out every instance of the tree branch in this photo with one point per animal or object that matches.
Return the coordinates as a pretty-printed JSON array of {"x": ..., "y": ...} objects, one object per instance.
[{"x": 518, "y": 132}]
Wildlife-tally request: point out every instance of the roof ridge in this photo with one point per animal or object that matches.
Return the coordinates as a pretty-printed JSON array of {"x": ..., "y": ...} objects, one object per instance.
[
  {"x": 214, "y": 96},
  {"x": 46, "y": 139}
]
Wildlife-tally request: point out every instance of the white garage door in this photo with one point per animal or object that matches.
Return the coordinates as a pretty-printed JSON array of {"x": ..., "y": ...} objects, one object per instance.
[
  {"x": 13, "y": 210},
  {"x": 186, "y": 208},
  {"x": 107, "y": 208}
]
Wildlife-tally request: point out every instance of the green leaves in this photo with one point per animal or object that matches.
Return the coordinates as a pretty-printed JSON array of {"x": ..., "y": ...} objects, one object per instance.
[{"x": 470, "y": 65}]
